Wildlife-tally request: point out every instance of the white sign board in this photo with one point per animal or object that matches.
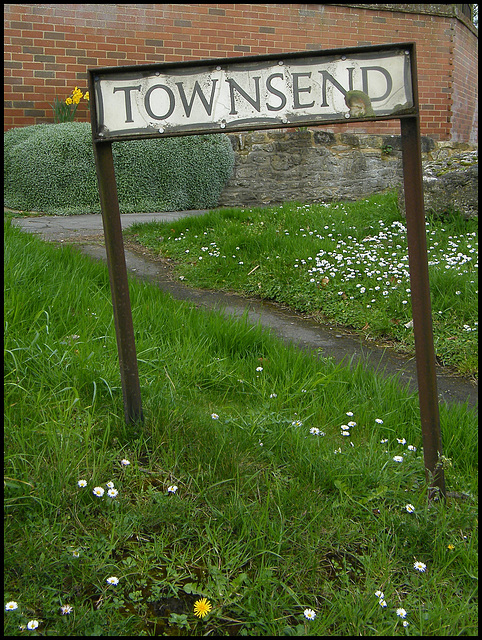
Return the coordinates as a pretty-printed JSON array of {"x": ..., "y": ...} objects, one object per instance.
[{"x": 253, "y": 93}]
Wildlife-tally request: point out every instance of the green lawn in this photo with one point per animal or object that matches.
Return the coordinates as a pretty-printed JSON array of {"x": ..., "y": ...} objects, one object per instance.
[
  {"x": 287, "y": 491},
  {"x": 345, "y": 262}
]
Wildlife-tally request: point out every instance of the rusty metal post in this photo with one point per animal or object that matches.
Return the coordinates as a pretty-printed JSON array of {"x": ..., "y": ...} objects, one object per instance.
[
  {"x": 421, "y": 305},
  {"x": 114, "y": 246}
]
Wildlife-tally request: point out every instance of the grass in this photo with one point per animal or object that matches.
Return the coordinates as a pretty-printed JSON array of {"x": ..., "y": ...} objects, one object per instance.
[
  {"x": 346, "y": 263},
  {"x": 269, "y": 518}
]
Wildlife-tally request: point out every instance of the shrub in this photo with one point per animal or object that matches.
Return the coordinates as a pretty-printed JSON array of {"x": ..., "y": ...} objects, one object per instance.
[{"x": 50, "y": 168}]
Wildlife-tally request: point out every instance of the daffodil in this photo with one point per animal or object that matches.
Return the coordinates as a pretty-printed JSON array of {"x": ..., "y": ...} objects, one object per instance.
[{"x": 202, "y": 607}]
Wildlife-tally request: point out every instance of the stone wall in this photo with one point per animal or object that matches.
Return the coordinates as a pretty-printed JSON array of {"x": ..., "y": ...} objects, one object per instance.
[{"x": 319, "y": 166}]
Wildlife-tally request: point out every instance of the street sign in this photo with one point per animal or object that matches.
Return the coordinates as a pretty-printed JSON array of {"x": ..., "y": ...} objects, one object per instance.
[
  {"x": 264, "y": 92},
  {"x": 268, "y": 92}
]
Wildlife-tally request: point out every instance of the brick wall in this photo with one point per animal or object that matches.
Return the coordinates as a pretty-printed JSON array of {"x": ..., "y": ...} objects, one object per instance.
[
  {"x": 48, "y": 48},
  {"x": 464, "y": 94}
]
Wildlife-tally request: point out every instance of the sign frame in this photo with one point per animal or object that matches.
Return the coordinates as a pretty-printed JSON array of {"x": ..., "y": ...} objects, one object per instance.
[
  {"x": 236, "y": 66},
  {"x": 409, "y": 118}
]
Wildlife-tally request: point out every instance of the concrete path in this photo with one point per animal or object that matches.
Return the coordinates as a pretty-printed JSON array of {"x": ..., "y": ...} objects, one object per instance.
[{"x": 86, "y": 231}]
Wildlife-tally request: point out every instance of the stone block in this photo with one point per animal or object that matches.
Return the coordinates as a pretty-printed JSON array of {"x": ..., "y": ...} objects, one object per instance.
[{"x": 449, "y": 184}]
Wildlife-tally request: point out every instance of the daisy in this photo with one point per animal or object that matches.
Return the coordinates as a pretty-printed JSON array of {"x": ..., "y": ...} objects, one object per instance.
[
  {"x": 259, "y": 368},
  {"x": 401, "y": 613},
  {"x": 382, "y": 602},
  {"x": 352, "y": 424},
  {"x": 66, "y": 608},
  {"x": 202, "y": 607},
  {"x": 309, "y": 614},
  {"x": 419, "y": 566},
  {"x": 401, "y": 441},
  {"x": 214, "y": 416},
  {"x": 110, "y": 485},
  {"x": 344, "y": 427},
  {"x": 398, "y": 458},
  {"x": 297, "y": 423},
  {"x": 172, "y": 488},
  {"x": 76, "y": 554},
  {"x": 379, "y": 594},
  {"x": 125, "y": 462},
  {"x": 33, "y": 624},
  {"x": 411, "y": 447},
  {"x": 82, "y": 483},
  {"x": 112, "y": 580},
  {"x": 11, "y": 606},
  {"x": 315, "y": 431},
  {"x": 112, "y": 493},
  {"x": 98, "y": 491},
  {"x": 379, "y": 420},
  {"x": 410, "y": 508}
]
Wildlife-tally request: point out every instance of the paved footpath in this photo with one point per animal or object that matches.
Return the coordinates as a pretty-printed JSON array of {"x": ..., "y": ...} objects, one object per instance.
[{"x": 86, "y": 231}]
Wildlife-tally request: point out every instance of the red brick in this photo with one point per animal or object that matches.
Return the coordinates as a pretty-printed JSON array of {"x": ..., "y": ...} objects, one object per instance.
[{"x": 445, "y": 46}]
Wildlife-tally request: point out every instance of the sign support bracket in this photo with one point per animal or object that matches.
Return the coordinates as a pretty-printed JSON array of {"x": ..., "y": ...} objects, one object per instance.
[
  {"x": 114, "y": 245},
  {"x": 421, "y": 305}
]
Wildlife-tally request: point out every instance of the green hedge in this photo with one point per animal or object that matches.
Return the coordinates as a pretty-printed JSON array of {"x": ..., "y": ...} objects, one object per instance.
[{"x": 50, "y": 168}]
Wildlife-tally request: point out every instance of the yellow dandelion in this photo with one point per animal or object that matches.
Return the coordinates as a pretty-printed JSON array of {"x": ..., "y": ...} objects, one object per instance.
[
  {"x": 202, "y": 607},
  {"x": 451, "y": 547}
]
